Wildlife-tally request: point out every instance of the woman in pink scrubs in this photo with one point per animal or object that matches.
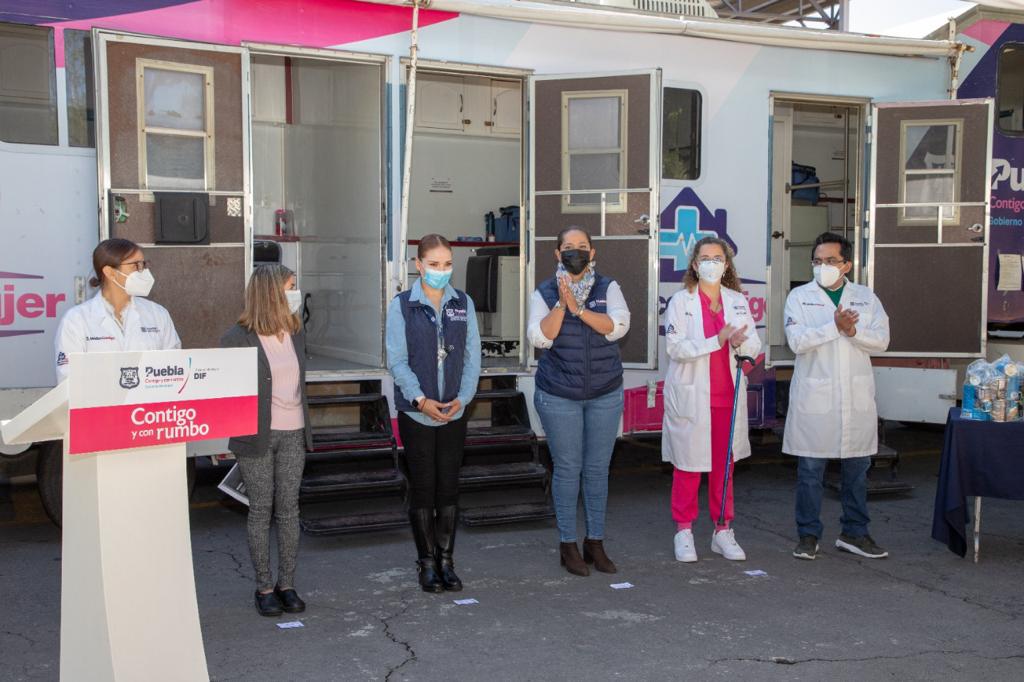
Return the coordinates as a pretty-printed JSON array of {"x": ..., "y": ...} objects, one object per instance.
[{"x": 707, "y": 323}]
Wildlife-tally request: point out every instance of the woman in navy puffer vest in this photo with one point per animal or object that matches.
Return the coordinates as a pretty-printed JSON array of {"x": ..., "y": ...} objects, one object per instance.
[{"x": 577, "y": 318}]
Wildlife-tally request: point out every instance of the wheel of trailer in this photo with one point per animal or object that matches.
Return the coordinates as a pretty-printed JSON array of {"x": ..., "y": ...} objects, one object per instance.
[{"x": 50, "y": 478}]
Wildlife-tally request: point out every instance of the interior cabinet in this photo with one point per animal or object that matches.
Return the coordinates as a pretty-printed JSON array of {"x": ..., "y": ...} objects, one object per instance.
[
  {"x": 440, "y": 103},
  {"x": 506, "y": 107},
  {"x": 469, "y": 105}
]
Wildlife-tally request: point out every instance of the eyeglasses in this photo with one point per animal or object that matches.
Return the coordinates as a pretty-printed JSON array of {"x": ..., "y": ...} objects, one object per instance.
[
  {"x": 828, "y": 261},
  {"x": 712, "y": 259},
  {"x": 139, "y": 265}
]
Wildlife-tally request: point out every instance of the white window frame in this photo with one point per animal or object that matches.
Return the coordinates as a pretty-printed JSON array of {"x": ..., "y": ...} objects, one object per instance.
[
  {"x": 207, "y": 134},
  {"x": 616, "y": 202},
  {"x": 947, "y": 218}
]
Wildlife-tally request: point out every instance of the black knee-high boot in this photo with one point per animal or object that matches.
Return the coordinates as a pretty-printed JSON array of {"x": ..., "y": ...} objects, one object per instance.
[
  {"x": 447, "y": 519},
  {"x": 422, "y": 521}
]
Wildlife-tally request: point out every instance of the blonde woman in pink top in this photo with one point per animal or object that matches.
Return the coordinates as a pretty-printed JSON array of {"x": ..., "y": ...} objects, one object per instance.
[{"x": 272, "y": 460}]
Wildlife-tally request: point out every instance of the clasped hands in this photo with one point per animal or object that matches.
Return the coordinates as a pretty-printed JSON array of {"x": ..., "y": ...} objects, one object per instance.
[
  {"x": 733, "y": 334},
  {"x": 846, "y": 321},
  {"x": 438, "y": 411}
]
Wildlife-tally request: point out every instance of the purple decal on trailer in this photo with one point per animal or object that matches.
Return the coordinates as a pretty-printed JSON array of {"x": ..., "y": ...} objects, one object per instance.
[{"x": 1007, "y": 216}]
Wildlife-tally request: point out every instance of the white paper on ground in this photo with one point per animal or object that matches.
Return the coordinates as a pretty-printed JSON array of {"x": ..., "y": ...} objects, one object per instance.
[
  {"x": 756, "y": 573},
  {"x": 621, "y": 586},
  {"x": 466, "y": 602},
  {"x": 291, "y": 624},
  {"x": 1009, "y": 272}
]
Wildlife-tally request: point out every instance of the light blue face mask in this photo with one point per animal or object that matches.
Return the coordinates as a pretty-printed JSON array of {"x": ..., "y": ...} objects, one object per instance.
[{"x": 436, "y": 279}]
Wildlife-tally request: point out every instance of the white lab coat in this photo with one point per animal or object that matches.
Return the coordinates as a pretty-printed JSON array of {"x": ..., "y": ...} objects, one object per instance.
[
  {"x": 91, "y": 328},
  {"x": 686, "y": 425},
  {"x": 832, "y": 412}
]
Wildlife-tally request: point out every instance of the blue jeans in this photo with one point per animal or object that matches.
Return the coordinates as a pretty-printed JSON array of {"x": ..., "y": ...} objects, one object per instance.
[
  {"x": 854, "y": 495},
  {"x": 581, "y": 436}
]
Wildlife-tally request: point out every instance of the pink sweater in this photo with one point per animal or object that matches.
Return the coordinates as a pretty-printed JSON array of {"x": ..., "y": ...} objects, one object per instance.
[{"x": 285, "y": 396}]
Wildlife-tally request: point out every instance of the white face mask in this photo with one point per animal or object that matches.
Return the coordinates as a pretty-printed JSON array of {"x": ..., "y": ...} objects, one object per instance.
[
  {"x": 294, "y": 297},
  {"x": 137, "y": 283},
  {"x": 710, "y": 271},
  {"x": 826, "y": 275}
]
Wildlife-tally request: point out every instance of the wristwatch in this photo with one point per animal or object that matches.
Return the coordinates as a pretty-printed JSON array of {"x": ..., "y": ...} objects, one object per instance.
[
  {"x": 558, "y": 306},
  {"x": 417, "y": 403}
]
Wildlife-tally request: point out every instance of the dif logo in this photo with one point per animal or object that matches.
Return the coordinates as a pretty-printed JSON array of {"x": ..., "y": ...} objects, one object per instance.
[{"x": 19, "y": 304}]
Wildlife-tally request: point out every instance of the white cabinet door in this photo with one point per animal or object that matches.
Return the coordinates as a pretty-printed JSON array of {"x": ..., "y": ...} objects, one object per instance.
[
  {"x": 506, "y": 113},
  {"x": 478, "y": 105},
  {"x": 440, "y": 103}
]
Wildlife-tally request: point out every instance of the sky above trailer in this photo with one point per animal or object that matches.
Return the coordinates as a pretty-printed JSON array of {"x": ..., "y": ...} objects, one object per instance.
[{"x": 903, "y": 18}]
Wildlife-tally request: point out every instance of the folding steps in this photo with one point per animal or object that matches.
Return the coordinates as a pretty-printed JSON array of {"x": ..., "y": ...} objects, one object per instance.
[
  {"x": 354, "y": 458},
  {"x": 502, "y": 459}
]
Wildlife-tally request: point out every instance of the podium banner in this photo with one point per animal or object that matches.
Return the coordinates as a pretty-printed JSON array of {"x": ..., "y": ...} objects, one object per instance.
[{"x": 119, "y": 401}]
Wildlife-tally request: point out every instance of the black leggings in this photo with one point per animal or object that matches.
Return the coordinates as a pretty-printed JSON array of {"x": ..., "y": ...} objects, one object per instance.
[{"x": 433, "y": 455}]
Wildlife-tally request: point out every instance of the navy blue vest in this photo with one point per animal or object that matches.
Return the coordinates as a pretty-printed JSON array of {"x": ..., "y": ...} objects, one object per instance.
[
  {"x": 421, "y": 342},
  {"x": 581, "y": 364}
]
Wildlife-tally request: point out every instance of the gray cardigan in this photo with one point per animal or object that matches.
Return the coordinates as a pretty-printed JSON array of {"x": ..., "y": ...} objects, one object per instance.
[{"x": 258, "y": 444}]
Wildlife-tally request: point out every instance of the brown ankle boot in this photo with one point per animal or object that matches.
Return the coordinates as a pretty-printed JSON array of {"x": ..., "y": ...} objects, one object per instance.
[
  {"x": 571, "y": 559},
  {"x": 593, "y": 553}
]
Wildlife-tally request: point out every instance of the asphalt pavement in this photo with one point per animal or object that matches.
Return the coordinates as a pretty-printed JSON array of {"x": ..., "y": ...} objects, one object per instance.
[{"x": 922, "y": 614}]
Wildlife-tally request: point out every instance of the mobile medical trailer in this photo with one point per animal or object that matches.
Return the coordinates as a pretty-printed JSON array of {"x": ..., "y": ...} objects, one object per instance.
[{"x": 221, "y": 133}]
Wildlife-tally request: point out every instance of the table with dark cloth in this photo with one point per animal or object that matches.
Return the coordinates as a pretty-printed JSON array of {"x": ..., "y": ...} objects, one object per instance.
[{"x": 983, "y": 459}]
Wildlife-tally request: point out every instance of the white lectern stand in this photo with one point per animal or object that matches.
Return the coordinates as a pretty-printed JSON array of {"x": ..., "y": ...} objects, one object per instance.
[{"x": 128, "y": 597}]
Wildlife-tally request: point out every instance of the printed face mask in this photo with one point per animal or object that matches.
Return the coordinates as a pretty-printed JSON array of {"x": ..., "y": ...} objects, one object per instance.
[
  {"x": 137, "y": 283},
  {"x": 294, "y": 297},
  {"x": 436, "y": 279},
  {"x": 575, "y": 260},
  {"x": 826, "y": 275},
  {"x": 711, "y": 270}
]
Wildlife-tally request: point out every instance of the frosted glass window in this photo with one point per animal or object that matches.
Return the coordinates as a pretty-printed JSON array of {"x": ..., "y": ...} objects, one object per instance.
[
  {"x": 175, "y": 162},
  {"x": 175, "y": 99},
  {"x": 594, "y": 123},
  {"x": 929, "y": 152},
  {"x": 175, "y": 126},
  {"x": 593, "y": 150},
  {"x": 589, "y": 171}
]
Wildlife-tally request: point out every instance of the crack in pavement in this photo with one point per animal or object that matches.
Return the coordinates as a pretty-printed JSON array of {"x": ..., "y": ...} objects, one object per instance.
[
  {"x": 410, "y": 653},
  {"x": 866, "y": 563},
  {"x": 19, "y": 635},
  {"x": 782, "y": 660},
  {"x": 239, "y": 566}
]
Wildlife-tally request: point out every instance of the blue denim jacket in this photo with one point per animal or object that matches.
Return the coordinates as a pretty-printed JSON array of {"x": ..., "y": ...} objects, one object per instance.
[{"x": 398, "y": 354}]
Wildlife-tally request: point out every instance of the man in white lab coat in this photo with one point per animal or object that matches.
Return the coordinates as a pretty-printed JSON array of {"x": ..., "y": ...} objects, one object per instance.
[{"x": 833, "y": 326}]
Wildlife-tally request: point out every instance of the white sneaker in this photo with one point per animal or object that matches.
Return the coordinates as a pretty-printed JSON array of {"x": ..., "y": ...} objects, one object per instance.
[
  {"x": 724, "y": 542},
  {"x": 685, "y": 551}
]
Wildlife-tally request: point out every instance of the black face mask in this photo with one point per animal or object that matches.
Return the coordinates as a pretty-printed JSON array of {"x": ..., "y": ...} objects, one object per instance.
[{"x": 575, "y": 260}]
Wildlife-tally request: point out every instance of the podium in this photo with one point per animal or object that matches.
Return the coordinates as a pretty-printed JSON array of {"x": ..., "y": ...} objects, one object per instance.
[{"x": 128, "y": 597}]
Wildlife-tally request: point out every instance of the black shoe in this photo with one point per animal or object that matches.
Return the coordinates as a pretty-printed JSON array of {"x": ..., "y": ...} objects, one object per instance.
[
  {"x": 807, "y": 548},
  {"x": 290, "y": 601},
  {"x": 447, "y": 519},
  {"x": 268, "y": 604},
  {"x": 422, "y": 521},
  {"x": 863, "y": 546}
]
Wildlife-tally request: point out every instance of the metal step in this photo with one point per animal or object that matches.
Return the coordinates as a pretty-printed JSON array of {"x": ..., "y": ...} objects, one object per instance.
[
  {"x": 355, "y": 523},
  {"x": 483, "y": 435},
  {"x": 502, "y": 474},
  {"x": 344, "y": 399},
  {"x": 326, "y": 439},
  {"x": 507, "y": 513},
  {"x": 497, "y": 393},
  {"x": 379, "y": 480}
]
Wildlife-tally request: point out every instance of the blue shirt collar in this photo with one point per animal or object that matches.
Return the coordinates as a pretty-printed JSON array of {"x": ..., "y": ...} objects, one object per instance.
[{"x": 418, "y": 296}]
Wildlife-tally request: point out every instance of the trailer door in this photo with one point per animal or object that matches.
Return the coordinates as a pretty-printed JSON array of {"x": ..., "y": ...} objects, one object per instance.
[
  {"x": 928, "y": 224},
  {"x": 172, "y": 151},
  {"x": 595, "y": 162}
]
